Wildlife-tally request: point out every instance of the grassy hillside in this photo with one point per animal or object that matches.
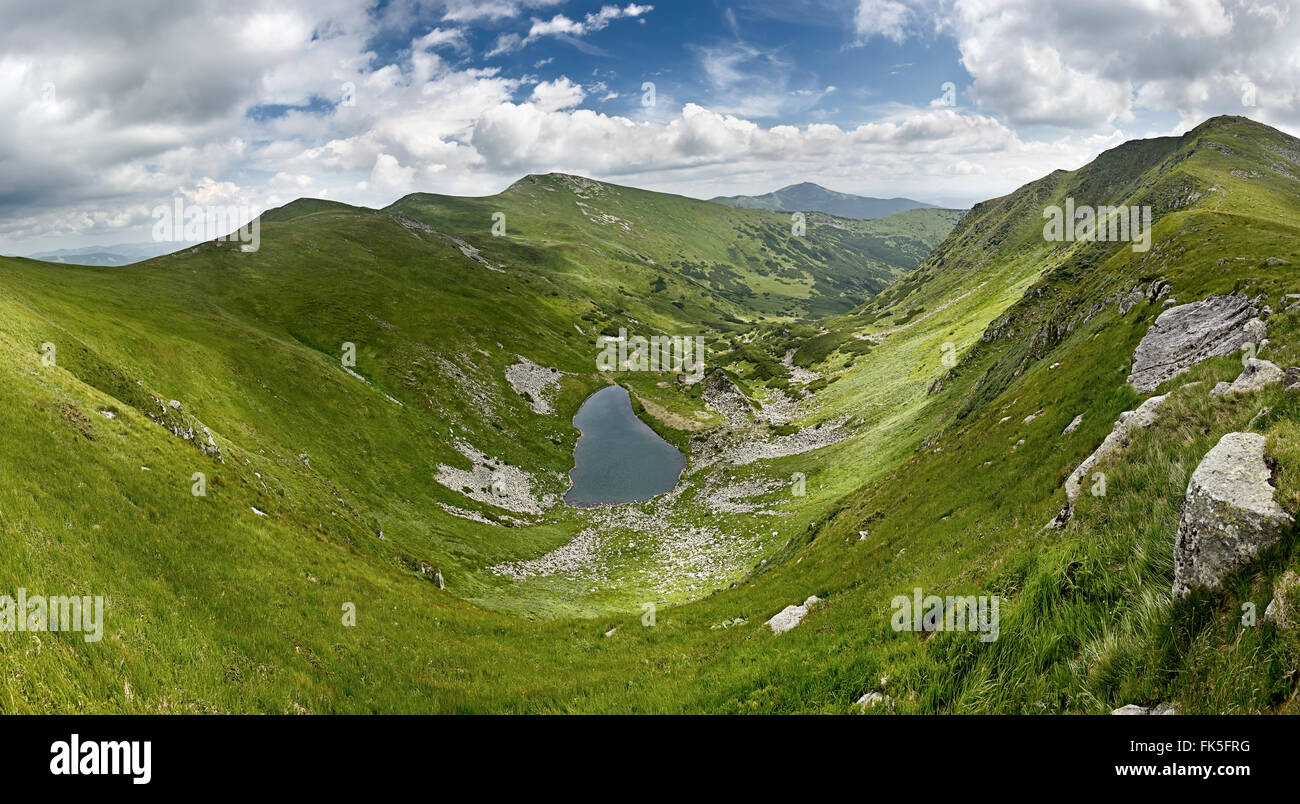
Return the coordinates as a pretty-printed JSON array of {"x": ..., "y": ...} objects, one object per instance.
[{"x": 215, "y": 606}]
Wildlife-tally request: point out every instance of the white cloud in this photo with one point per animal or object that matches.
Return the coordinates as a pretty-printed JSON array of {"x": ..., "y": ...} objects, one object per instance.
[
  {"x": 118, "y": 135},
  {"x": 388, "y": 175},
  {"x": 888, "y": 18},
  {"x": 560, "y": 25},
  {"x": 550, "y": 96},
  {"x": 471, "y": 10},
  {"x": 438, "y": 37},
  {"x": 1089, "y": 65}
]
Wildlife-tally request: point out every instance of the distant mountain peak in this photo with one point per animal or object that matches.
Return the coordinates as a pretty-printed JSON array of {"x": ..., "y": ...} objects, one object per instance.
[{"x": 807, "y": 196}]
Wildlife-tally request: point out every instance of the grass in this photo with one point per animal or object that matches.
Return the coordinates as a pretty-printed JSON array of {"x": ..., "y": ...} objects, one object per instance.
[{"x": 212, "y": 607}]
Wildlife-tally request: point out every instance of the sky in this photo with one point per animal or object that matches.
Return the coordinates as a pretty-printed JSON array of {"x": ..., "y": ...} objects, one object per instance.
[{"x": 116, "y": 108}]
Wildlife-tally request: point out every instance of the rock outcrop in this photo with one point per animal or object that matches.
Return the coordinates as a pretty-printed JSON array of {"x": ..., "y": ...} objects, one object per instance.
[
  {"x": 1134, "y": 709},
  {"x": 1257, "y": 375},
  {"x": 1291, "y": 379},
  {"x": 1188, "y": 334},
  {"x": 1129, "y": 423},
  {"x": 874, "y": 699},
  {"x": 1229, "y": 514},
  {"x": 790, "y": 616}
]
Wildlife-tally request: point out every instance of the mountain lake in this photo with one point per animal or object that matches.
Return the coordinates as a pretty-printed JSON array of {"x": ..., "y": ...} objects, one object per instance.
[{"x": 618, "y": 458}]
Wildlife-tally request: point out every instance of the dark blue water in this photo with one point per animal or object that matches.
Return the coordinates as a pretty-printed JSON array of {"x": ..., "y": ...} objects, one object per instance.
[{"x": 618, "y": 458}]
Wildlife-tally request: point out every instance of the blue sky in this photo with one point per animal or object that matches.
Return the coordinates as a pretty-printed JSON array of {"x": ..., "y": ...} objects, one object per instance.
[{"x": 257, "y": 102}]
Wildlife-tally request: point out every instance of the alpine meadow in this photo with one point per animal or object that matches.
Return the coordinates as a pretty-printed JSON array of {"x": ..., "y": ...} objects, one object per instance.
[{"x": 395, "y": 364}]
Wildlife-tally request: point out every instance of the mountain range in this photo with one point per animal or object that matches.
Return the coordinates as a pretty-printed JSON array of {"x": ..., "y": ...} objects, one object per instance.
[
  {"x": 108, "y": 255},
  {"x": 376, "y": 407},
  {"x": 809, "y": 197}
]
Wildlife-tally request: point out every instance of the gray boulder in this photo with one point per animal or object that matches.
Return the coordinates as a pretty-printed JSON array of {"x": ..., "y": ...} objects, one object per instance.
[
  {"x": 1128, "y": 424},
  {"x": 1127, "y": 300},
  {"x": 1158, "y": 709},
  {"x": 1291, "y": 379},
  {"x": 874, "y": 699},
  {"x": 1229, "y": 514},
  {"x": 1188, "y": 334},
  {"x": 1257, "y": 375},
  {"x": 791, "y": 616}
]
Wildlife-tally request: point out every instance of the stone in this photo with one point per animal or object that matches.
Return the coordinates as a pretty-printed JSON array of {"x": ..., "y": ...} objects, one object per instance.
[
  {"x": 1291, "y": 379},
  {"x": 791, "y": 616},
  {"x": 1229, "y": 515},
  {"x": 1073, "y": 425},
  {"x": 1281, "y": 609},
  {"x": 1188, "y": 334},
  {"x": 1129, "y": 423},
  {"x": 1127, "y": 300},
  {"x": 1157, "y": 290},
  {"x": 1158, "y": 709},
  {"x": 1257, "y": 375},
  {"x": 874, "y": 699}
]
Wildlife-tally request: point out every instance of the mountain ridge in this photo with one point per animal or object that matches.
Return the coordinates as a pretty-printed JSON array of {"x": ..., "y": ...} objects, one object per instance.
[
  {"x": 810, "y": 197},
  {"x": 929, "y": 427}
]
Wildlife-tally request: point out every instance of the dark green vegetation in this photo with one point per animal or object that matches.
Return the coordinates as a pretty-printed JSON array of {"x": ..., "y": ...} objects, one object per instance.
[
  {"x": 809, "y": 197},
  {"x": 215, "y": 607}
]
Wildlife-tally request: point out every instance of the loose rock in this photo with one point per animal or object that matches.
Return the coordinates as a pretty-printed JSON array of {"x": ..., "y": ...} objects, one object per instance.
[
  {"x": 791, "y": 616},
  {"x": 1257, "y": 375},
  {"x": 1134, "y": 709},
  {"x": 874, "y": 699},
  {"x": 1229, "y": 514},
  {"x": 1291, "y": 379},
  {"x": 1129, "y": 423}
]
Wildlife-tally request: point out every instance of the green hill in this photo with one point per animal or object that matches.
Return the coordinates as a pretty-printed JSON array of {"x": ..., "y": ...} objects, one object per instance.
[{"x": 921, "y": 411}]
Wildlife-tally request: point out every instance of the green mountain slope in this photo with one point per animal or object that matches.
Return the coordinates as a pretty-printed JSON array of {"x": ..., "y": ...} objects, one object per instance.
[
  {"x": 809, "y": 197},
  {"x": 330, "y": 485}
]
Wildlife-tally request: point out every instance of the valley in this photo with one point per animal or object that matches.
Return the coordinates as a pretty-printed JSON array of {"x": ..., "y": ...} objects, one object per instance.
[{"x": 885, "y": 405}]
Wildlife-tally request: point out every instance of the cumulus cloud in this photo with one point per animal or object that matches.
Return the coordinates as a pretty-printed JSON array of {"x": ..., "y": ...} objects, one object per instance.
[
  {"x": 1082, "y": 65},
  {"x": 113, "y": 112},
  {"x": 550, "y": 96},
  {"x": 888, "y": 18}
]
